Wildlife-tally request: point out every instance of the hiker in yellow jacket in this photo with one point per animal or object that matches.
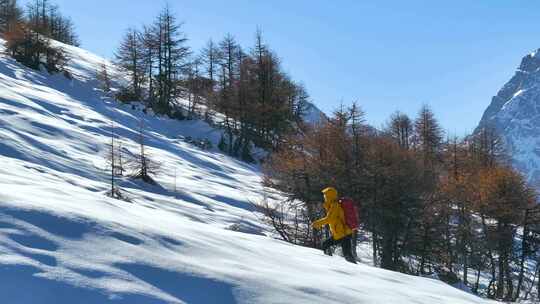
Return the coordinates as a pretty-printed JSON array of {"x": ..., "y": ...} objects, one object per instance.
[{"x": 335, "y": 219}]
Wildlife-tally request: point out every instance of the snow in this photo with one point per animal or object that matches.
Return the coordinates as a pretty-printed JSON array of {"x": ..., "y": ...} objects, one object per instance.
[{"x": 63, "y": 241}]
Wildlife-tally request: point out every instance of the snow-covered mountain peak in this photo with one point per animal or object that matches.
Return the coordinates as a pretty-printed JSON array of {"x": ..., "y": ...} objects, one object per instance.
[
  {"x": 531, "y": 62},
  {"x": 515, "y": 113}
]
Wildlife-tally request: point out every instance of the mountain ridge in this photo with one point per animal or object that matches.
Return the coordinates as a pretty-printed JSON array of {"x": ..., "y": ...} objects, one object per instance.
[{"x": 515, "y": 114}]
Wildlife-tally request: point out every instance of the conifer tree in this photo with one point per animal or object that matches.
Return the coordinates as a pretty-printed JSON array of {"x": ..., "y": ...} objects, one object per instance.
[
  {"x": 401, "y": 129},
  {"x": 172, "y": 53},
  {"x": 142, "y": 164},
  {"x": 104, "y": 78},
  {"x": 10, "y": 14},
  {"x": 45, "y": 18},
  {"x": 129, "y": 56},
  {"x": 428, "y": 136},
  {"x": 149, "y": 53},
  {"x": 210, "y": 56},
  {"x": 113, "y": 163}
]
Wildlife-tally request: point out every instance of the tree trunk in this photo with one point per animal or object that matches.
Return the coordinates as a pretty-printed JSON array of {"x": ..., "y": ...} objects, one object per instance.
[
  {"x": 491, "y": 259},
  {"x": 523, "y": 256},
  {"x": 354, "y": 243},
  {"x": 465, "y": 270},
  {"x": 500, "y": 281},
  {"x": 387, "y": 261},
  {"x": 375, "y": 247},
  {"x": 477, "y": 283}
]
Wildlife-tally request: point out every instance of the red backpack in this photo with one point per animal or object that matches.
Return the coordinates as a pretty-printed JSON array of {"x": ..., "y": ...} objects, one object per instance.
[{"x": 351, "y": 212}]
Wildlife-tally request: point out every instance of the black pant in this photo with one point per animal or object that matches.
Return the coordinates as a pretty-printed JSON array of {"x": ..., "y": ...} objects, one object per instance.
[{"x": 346, "y": 246}]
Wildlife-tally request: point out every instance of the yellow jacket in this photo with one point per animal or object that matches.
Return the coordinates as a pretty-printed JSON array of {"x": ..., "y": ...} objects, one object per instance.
[{"x": 335, "y": 217}]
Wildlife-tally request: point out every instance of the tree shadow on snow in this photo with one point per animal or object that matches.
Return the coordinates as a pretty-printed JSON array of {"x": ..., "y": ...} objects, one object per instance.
[
  {"x": 60, "y": 226},
  {"x": 182, "y": 286},
  {"x": 20, "y": 285},
  {"x": 234, "y": 202},
  {"x": 160, "y": 190}
]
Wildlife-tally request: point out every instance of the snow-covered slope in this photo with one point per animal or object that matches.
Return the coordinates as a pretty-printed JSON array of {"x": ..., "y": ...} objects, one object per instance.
[
  {"x": 63, "y": 241},
  {"x": 515, "y": 114}
]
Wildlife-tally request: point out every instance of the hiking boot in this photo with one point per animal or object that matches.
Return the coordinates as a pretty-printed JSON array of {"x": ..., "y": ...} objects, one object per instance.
[{"x": 350, "y": 259}]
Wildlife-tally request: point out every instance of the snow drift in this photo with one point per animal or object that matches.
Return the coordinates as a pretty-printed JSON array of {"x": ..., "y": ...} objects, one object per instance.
[{"x": 63, "y": 241}]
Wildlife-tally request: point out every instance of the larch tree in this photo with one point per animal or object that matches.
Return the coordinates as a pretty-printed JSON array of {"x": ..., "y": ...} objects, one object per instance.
[
  {"x": 173, "y": 54},
  {"x": 104, "y": 78},
  {"x": 504, "y": 197},
  {"x": 225, "y": 102},
  {"x": 130, "y": 57},
  {"x": 210, "y": 58},
  {"x": 45, "y": 19},
  {"x": 400, "y": 128},
  {"x": 114, "y": 162},
  {"x": 149, "y": 51},
  {"x": 428, "y": 136},
  {"x": 142, "y": 164},
  {"x": 10, "y": 14}
]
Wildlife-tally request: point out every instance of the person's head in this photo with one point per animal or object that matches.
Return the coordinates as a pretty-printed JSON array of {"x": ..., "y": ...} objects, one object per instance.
[{"x": 330, "y": 194}]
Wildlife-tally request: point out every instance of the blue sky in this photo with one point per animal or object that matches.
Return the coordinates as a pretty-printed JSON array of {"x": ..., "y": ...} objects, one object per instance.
[{"x": 387, "y": 55}]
